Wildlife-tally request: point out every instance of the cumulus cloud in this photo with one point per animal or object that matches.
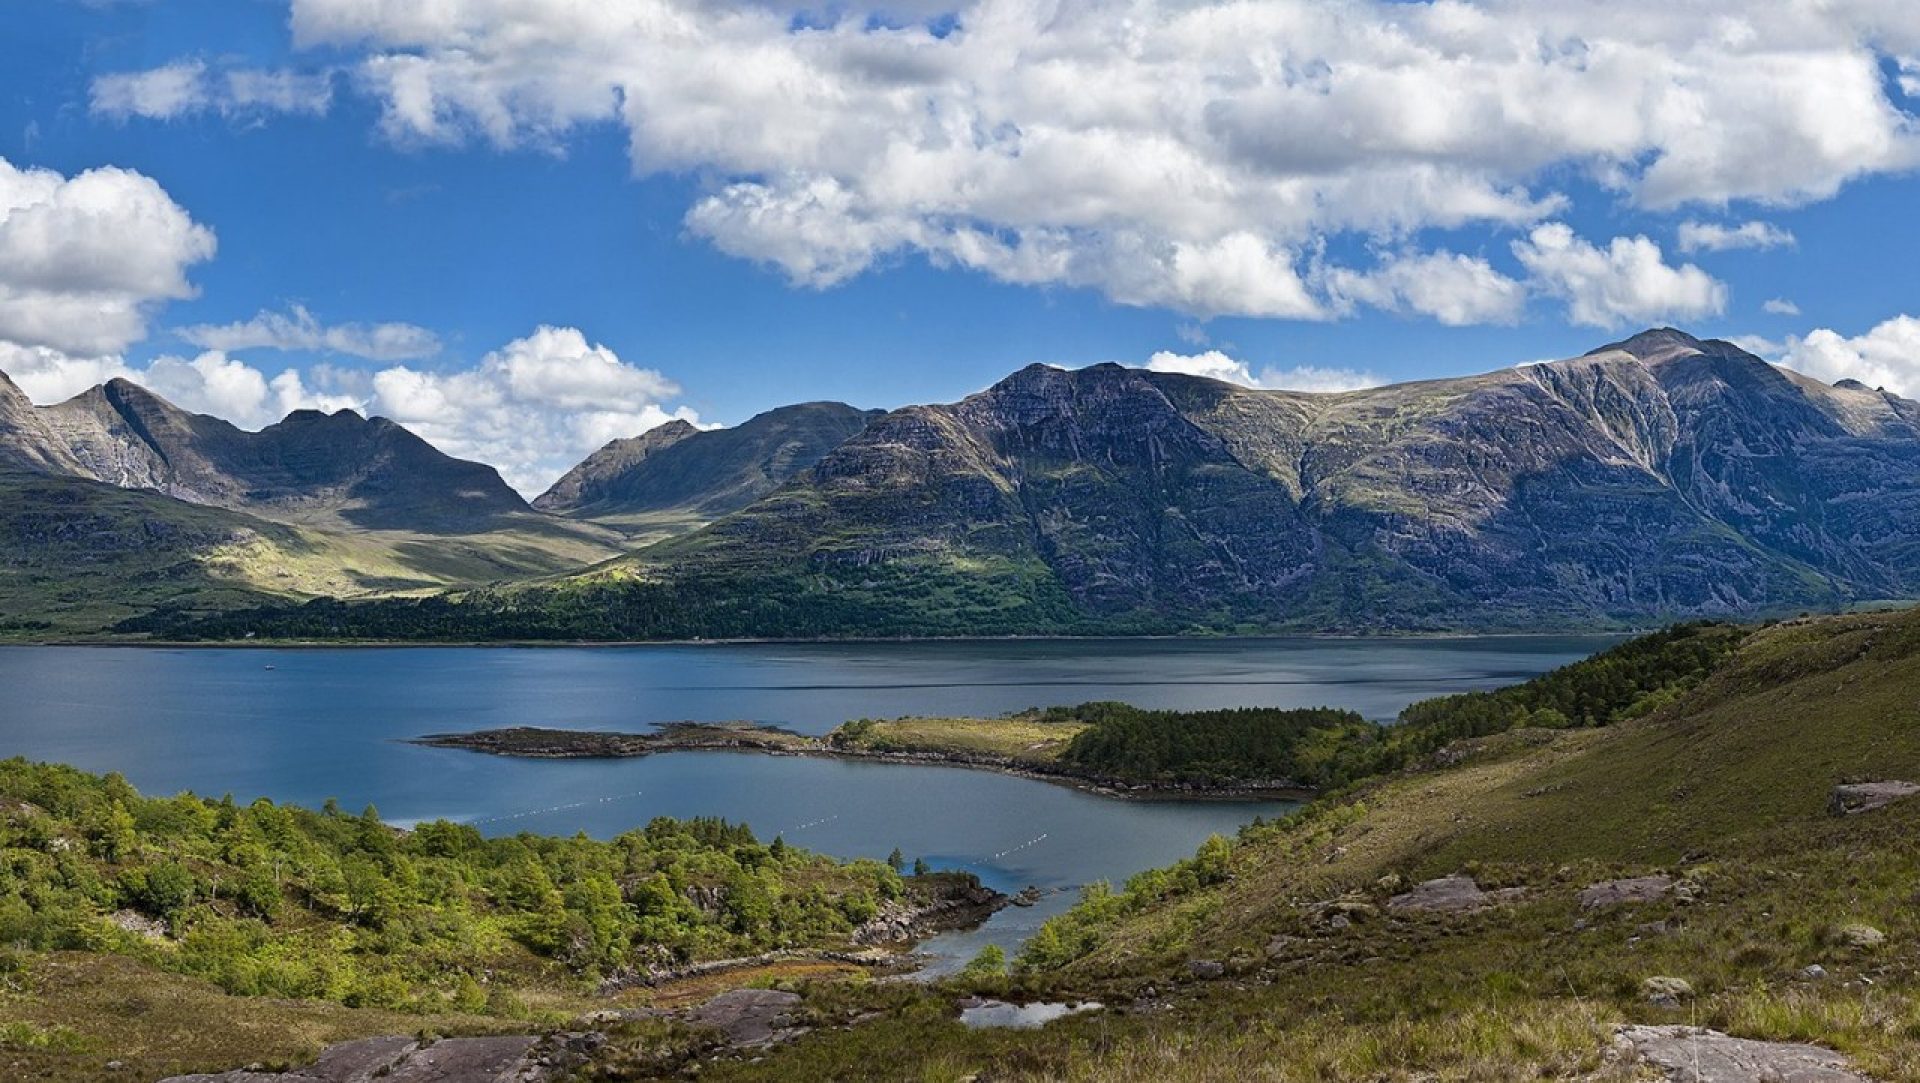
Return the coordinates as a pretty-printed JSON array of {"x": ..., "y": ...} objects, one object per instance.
[
  {"x": 1717, "y": 237},
  {"x": 1779, "y": 306},
  {"x": 1187, "y": 155},
  {"x": 84, "y": 259},
  {"x": 1455, "y": 290},
  {"x": 1217, "y": 365},
  {"x": 298, "y": 329},
  {"x": 1887, "y": 356},
  {"x": 187, "y": 87},
  {"x": 1629, "y": 281},
  {"x": 49, "y": 375},
  {"x": 532, "y": 408}
]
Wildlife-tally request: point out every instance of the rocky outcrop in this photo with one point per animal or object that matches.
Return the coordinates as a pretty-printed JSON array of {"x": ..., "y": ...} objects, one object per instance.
[
  {"x": 1638, "y": 889},
  {"x": 1695, "y": 1055},
  {"x": 964, "y": 904},
  {"x": 749, "y": 1018},
  {"x": 508, "y": 1059},
  {"x": 1853, "y": 798},
  {"x": 1448, "y": 894}
]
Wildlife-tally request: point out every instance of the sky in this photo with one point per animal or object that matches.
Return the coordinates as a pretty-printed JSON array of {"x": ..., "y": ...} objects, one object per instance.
[{"x": 525, "y": 227}]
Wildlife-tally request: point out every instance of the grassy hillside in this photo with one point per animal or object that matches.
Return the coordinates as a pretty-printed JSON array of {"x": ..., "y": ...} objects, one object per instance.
[{"x": 1281, "y": 956}]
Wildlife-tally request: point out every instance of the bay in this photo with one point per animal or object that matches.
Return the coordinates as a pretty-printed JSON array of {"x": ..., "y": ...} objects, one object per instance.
[{"x": 306, "y": 725}]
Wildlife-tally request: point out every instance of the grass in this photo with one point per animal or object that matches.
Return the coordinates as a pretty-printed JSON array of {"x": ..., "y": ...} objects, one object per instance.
[
  {"x": 1016, "y": 737},
  {"x": 1724, "y": 790},
  {"x": 89, "y": 1010}
]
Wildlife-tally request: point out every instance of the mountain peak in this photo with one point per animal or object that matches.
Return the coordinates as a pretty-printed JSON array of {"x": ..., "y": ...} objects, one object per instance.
[
  {"x": 1654, "y": 344},
  {"x": 677, "y": 467}
]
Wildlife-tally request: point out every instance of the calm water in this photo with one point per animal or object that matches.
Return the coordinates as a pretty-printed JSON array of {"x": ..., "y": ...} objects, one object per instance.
[{"x": 305, "y": 725}]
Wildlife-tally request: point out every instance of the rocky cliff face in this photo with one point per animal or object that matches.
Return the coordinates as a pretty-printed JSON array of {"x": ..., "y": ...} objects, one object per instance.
[
  {"x": 680, "y": 470},
  {"x": 1656, "y": 478}
]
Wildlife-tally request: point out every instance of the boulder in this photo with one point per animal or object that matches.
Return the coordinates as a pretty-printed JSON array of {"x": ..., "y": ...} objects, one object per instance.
[
  {"x": 1695, "y": 1055},
  {"x": 1206, "y": 969},
  {"x": 1853, "y": 798},
  {"x": 1445, "y": 895},
  {"x": 1638, "y": 889},
  {"x": 1859, "y": 935},
  {"x": 1666, "y": 991}
]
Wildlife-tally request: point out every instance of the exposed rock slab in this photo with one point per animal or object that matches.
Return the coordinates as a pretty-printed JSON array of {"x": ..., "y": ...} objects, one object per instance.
[
  {"x": 506, "y": 1059},
  {"x": 1637, "y": 889},
  {"x": 1853, "y": 798},
  {"x": 1694, "y": 1055},
  {"x": 749, "y": 1017},
  {"x": 1448, "y": 894}
]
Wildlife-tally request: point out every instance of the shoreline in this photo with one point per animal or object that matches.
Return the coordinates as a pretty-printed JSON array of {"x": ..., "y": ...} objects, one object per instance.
[
  {"x": 816, "y": 641},
  {"x": 530, "y": 742}
]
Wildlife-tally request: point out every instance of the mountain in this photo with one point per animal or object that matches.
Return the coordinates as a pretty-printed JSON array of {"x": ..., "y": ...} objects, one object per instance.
[
  {"x": 679, "y": 473},
  {"x": 1659, "y": 478},
  {"x": 366, "y": 472},
  {"x": 118, "y": 501},
  {"x": 588, "y": 483}
]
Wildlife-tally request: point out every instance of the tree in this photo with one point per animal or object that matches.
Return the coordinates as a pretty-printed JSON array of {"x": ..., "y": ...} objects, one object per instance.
[
  {"x": 920, "y": 866},
  {"x": 990, "y": 963},
  {"x": 896, "y": 860}
]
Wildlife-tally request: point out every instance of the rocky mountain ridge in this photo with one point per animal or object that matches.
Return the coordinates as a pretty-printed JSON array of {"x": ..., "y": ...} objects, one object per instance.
[
  {"x": 679, "y": 470},
  {"x": 1658, "y": 477}
]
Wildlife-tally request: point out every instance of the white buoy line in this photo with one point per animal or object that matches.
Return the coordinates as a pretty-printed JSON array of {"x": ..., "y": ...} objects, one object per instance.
[
  {"x": 816, "y": 823},
  {"x": 1022, "y": 846},
  {"x": 555, "y": 808}
]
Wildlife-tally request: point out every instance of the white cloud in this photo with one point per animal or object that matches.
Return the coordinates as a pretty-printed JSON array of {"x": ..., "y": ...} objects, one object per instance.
[
  {"x": 1216, "y": 365},
  {"x": 213, "y": 383},
  {"x": 532, "y": 408},
  {"x": 163, "y": 93},
  {"x": 1456, "y": 290},
  {"x": 1629, "y": 281},
  {"x": 1779, "y": 306},
  {"x": 48, "y": 375},
  {"x": 1716, "y": 237},
  {"x": 1887, "y": 356},
  {"x": 187, "y": 87},
  {"x": 84, "y": 259},
  {"x": 1163, "y": 152},
  {"x": 297, "y": 329}
]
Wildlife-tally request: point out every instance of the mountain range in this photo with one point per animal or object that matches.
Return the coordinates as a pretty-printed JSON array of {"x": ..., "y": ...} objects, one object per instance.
[{"x": 1655, "y": 478}]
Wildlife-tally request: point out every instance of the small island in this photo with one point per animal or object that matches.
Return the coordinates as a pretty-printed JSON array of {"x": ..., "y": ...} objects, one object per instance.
[{"x": 1095, "y": 747}]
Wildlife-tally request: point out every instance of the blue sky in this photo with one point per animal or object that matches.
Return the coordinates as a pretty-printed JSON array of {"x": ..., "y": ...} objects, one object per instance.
[{"x": 726, "y": 264}]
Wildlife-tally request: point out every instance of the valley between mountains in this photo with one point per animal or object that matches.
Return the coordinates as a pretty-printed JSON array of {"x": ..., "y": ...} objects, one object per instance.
[{"x": 1655, "y": 479}]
